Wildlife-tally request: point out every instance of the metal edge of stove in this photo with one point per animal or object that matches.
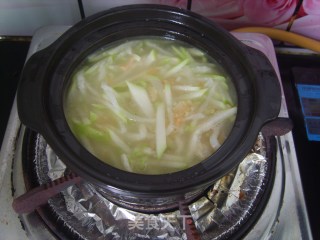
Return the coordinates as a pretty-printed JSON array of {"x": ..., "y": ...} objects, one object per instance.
[
  {"x": 32, "y": 223},
  {"x": 295, "y": 51},
  {"x": 11, "y": 226},
  {"x": 279, "y": 226},
  {"x": 40, "y": 40},
  {"x": 292, "y": 167}
]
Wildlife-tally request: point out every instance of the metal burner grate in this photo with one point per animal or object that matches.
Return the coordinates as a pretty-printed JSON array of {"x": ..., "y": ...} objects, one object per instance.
[{"x": 229, "y": 208}]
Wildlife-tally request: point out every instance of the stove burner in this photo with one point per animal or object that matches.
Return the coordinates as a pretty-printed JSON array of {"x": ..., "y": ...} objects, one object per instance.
[
  {"x": 83, "y": 211},
  {"x": 162, "y": 206}
]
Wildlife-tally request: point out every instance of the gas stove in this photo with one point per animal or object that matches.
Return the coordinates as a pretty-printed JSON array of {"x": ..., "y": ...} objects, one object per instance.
[{"x": 283, "y": 216}]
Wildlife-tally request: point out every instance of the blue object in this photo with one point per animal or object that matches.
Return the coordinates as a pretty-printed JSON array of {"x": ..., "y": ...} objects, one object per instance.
[{"x": 309, "y": 96}]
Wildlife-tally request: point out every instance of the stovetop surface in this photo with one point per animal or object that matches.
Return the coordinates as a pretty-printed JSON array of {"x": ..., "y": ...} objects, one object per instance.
[
  {"x": 12, "y": 56},
  {"x": 306, "y": 150}
]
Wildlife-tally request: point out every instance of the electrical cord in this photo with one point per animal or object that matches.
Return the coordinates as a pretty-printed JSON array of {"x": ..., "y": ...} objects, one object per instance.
[
  {"x": 284, "y": 36},
  {"x": 189, "y": 4},
  {"x": 81, "y": 9}
]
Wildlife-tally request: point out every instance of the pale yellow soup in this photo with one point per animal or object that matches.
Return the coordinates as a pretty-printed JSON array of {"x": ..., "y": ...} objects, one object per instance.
[{"x": 151, "y": 105}]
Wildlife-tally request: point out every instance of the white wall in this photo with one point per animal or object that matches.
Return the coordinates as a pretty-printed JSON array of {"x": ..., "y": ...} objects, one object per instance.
[
  {"x": 23, "y": 17},
  {"x": 94, "y": 6}
]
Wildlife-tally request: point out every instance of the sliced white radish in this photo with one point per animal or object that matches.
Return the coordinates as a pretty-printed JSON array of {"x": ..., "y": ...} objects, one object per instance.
[
  {"x": 177, "y": 68},
  {"x": 151, "y": 57},
  {"x": 119, "y": 142},
  {"x": 141, "y": 97},
  {"x": 217, "y": 118},
  {"x": 125, "y": 162},
  {"x": 192, "y": 95},
  {"x": 161, "y": 141},
  {"x": 186, "y": 88},
  {"x": 168, "y": 101}
]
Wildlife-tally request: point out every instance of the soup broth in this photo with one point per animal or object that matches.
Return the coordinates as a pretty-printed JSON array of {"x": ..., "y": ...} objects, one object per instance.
[{"x": 150, "y": 106}]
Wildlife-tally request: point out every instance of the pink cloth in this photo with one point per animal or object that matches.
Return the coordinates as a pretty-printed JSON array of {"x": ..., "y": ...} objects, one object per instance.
[
  {"x": 269, "y": 12},
  {"x": 311, "y": 7},
  {"x": 232, "y": 14}
]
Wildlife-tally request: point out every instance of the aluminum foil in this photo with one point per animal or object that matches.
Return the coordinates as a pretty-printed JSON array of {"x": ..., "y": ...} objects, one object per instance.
[{"x": 218, "y": 214}]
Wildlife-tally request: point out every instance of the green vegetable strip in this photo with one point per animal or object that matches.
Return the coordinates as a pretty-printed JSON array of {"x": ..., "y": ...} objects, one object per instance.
[
  {"x": 177, "y": 68},
  {"x": 195, "y": 116},
  {"x": 158, "y": 49},
  {"x": 111, "y": 96},
  {"x": 214, "y": 142},
  {"x": 168, "y": 101},
  {"x": 206, "y": 126},
  {"x": 121, "y": 48},
  {"x": 137, "y": 118},
  {"x": 102, "y": 71},
  {"x": 192, "y": 95},
  {"x": 209, "y": 97},
  {"x": 196, "y": 52},
  {"x": 186, "y": 88},
  {"x": 140, "y": 96},
  {"x": 119, "y": 142},
  {"x": 178, "y": 52},
  {"x": 93, "y": 117},
  {"x": 81, "y": 82},
  {"x": 116, "y": 111},
  {"x": 124, "y": 114},
  {"x": 168, "y": 164},
  {"x": 140, "y": 135},
  {"x": 85, "y": 130},
  {"x": 125, "y": 162},
  {"x": 151, "y": 57},
  {"x": 216, "y": 118},
  {"x": 161, "y": 141}
]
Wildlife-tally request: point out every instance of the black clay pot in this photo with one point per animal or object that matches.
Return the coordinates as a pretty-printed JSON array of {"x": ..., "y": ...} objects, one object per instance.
[{"x": 46, "y": 75}]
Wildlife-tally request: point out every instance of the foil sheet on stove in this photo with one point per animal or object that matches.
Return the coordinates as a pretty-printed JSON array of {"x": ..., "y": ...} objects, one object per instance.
[{"x": 219, "y": 213}]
